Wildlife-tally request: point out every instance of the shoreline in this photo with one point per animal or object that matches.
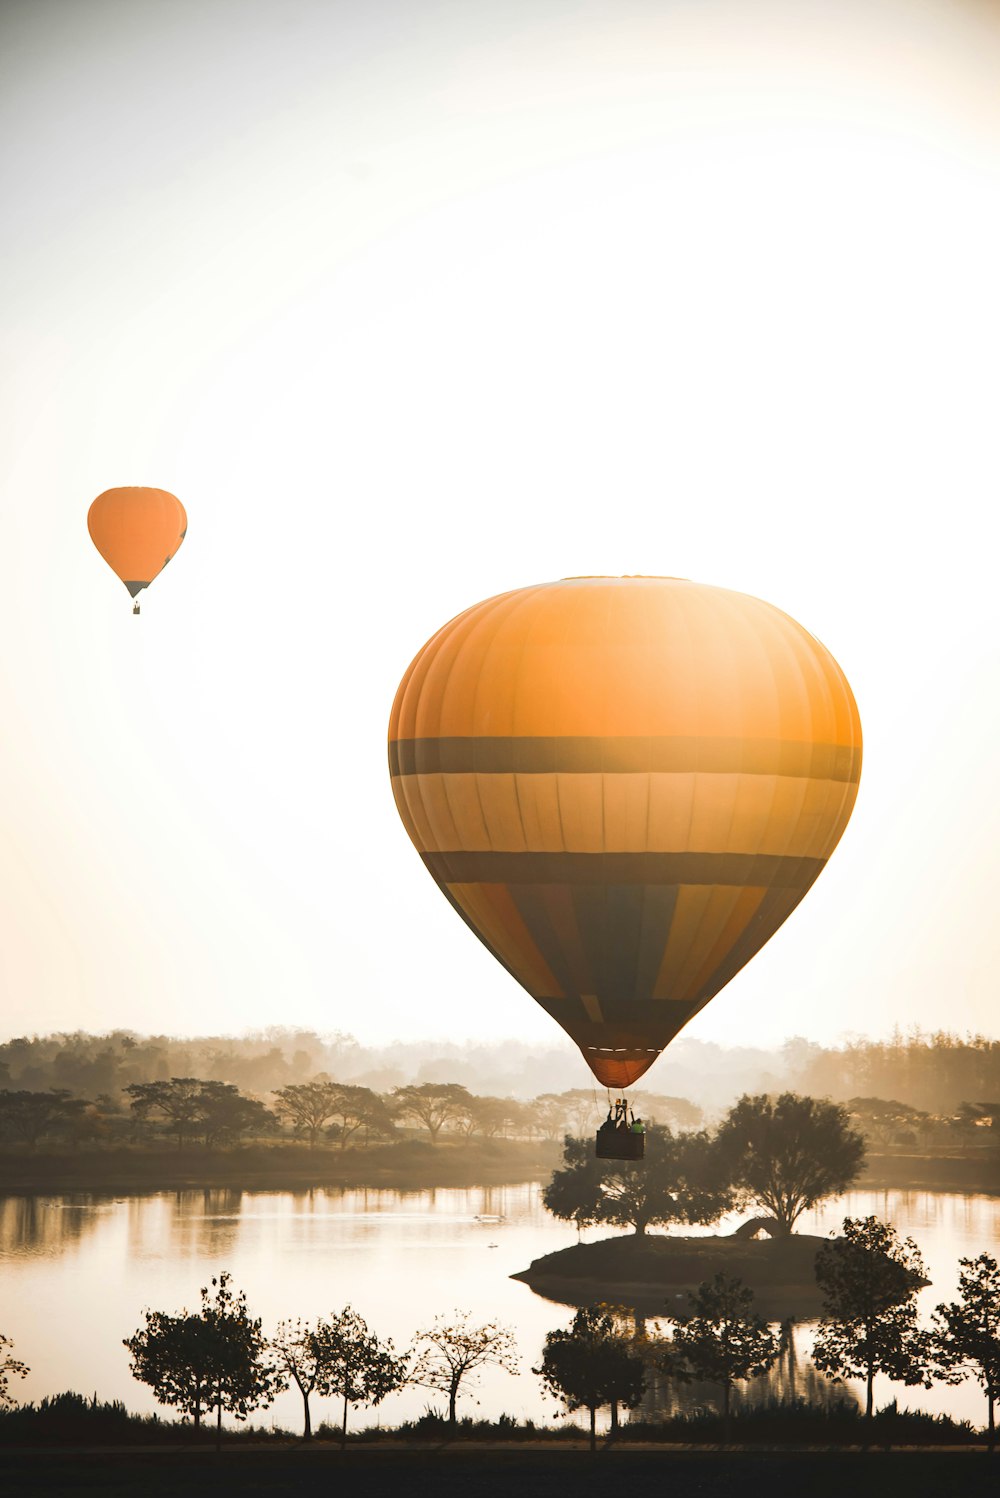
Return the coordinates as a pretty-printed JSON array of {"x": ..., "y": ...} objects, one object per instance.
[
  {"x": 647, "y": 1272},
  {"x": 412, "y": 1165},
  {"x": 406, "y": 1165}
]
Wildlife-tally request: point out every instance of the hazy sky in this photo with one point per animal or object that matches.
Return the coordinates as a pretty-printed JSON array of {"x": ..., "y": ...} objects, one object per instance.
[{"x": 415, "y": 302}]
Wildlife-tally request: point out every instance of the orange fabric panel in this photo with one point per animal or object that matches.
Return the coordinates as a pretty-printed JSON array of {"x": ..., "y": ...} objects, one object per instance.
[
  {"x": 137, "y": 530},
  {"x": 600, "y": 656}
]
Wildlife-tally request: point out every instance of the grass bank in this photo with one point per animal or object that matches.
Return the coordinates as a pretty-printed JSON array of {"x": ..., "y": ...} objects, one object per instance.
[
  {"x": 970, "y": 1169},
  {"x": 407, "y": 1164}
]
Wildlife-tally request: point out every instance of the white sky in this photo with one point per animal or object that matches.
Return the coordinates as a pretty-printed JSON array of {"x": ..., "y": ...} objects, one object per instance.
[{"x": 415, "y": 302}]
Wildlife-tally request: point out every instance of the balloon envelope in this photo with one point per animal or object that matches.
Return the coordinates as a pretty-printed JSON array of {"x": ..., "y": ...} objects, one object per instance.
[
  {"x": 137, "y": 531},
  {"x": 624, "y": 786}
]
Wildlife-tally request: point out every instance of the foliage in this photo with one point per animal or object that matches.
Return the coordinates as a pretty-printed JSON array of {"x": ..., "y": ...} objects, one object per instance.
[
  {"x": 308, "y": 1106},
  {"x": 27, "y": 1116},
  {"x": 680, "y": 1180},
  {"x": 789, "y": 1153},
  {"x": 720, "y": 1339},
  {"x": 354, "y": 1364},
  {"x": 490, "y": 1116},
  {"x": 10, "y": 1367},
  {"x": 213, "y": 1360},
  {"x": 433, "y": 1104},
  {"x": 214, "y": 1111},
  {"x": 966, "y": 1336},
  {"x": 937, "y": 1071},
  {"x": 593, "y": 1364},
  {"x": 884, "y": 1121},
  {"x": 359, "y": 1109},
  {"x": 337, "y": 1356},
  {"x": 869, "y": 1281},
  {"x": 451, "y": 1352}
]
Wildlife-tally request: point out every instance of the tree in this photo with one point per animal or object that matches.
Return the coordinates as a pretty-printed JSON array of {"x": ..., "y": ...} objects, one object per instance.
[
  {"x": 721, "y": 1339},
  {"x": 433, "y": 1104},
  {"x": 176, "y": 1357},
  {"x": 309, "y": 1106},
  {"x": 355, "y": 1108},
  {"x": 177, "y": 1102},
  {"x": 354, "y": 1365},
  {"x": 682, "y": 1179},
  {"x": 10, "y": 1367},
  {"x": 491, "y": 1116},
  {"x": 869, "y": 1325},
  {"x": 189, "y": 1106},
  {"x": 27, "y": 1116},
  {"x": 593, "y": 1364},
  {"x": 966, "y": 1337},
  {"x": 790, "y": 1152},
  {"x": 215, "y": 1360},
  {"x": 297, "y": 1360},
  {"x": 226, "y": 1115},
  {"x": 449, "y": 1354}
]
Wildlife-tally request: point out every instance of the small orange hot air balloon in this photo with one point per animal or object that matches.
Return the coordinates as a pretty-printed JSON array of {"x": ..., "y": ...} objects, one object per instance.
[
  {"x": 624, "y": 786},
  {"x": 137, "y": 531}
]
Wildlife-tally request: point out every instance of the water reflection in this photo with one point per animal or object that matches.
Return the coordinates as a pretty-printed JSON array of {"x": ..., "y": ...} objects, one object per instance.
[
  {"x": 792, "y": 1377},
  {"x": 76, "y": 1272}
]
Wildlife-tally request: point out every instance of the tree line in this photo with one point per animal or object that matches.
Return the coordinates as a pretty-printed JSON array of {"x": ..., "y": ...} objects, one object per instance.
[
  {"x": 934, "y": 1074},
  {"x": 218, "y": 1360},
  {"x": 197, "y": 1111}
]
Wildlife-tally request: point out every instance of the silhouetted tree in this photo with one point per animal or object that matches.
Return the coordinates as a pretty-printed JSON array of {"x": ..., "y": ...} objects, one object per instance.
[
  {"x": 28, "y": 1116},
  {"x": 449, "y": 1353},
  {"x": 682, "y": 1179},
  {"x": 966, "y": 1336},
  {"x": 177, "y": 1102},
  {"x": 214, "y": 1360},
  {"x": 226, "y": 1116},
  {"x": 354, "y": 1365},
  {"x": 789, "y": 1153},
  {"x": 309, "y": 1106},
  {"x": 10, "y": 1367},
  {"x": 869, "y": 1281},
  {"x": 491, "y": 1116},
  {"x": 358, "y": 1108},
  {"x": 433, "y": 1104},
  {"x": 721, "y": 1339},
  {"x": 297, "y": 1360},
  {"x": 593, "y": 1364}
]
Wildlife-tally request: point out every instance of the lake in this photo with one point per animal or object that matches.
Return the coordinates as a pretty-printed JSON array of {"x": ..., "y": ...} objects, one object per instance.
[{"x": 76, "y": 1272}]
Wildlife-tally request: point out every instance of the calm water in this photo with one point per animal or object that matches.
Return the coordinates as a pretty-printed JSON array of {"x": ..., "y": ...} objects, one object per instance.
[{"x": 76, "y": 1272}]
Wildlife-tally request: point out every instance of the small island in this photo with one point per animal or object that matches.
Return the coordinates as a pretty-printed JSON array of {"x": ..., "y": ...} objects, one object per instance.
[{"x": 651, "y": 1272}]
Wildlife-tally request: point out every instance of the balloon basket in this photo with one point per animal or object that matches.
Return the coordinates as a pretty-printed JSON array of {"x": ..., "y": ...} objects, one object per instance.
[{"x": 614, "y": 1143}]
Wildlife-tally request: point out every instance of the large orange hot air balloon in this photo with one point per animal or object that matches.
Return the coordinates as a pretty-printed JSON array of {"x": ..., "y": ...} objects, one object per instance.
[
  {"x": 624, "y": 786},
  {"x": 137, "y": 531}
]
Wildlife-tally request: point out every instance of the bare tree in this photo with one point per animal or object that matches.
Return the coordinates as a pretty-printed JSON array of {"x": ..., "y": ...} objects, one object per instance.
[{"x": 449, "y": 1354}]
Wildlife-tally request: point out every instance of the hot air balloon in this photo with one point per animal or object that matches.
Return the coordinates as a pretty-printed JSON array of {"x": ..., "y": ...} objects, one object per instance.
[
  {"x": 137, "y": 531},
  {"x": 624, "y": 785}
]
